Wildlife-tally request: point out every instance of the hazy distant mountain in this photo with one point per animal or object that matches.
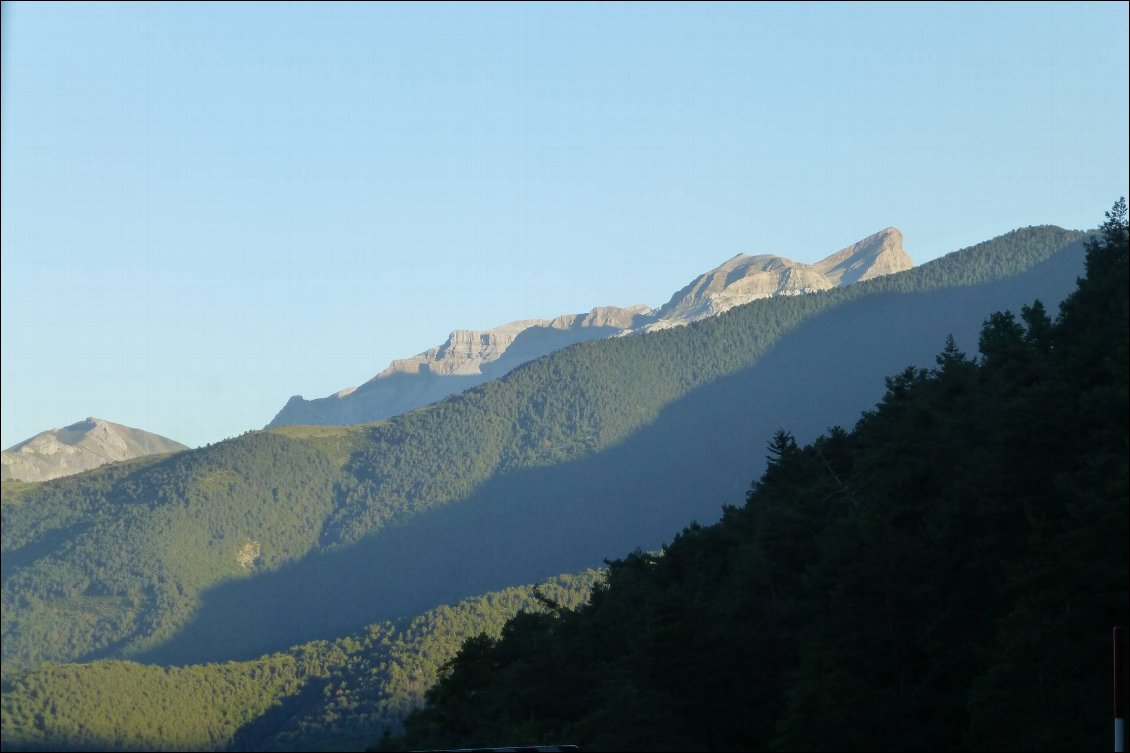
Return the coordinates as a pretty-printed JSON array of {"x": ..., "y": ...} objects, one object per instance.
[
  {"x": 471, "y": 357},
  {"x": 80, "y": 447},
  {"x": 466, "y": 359}
]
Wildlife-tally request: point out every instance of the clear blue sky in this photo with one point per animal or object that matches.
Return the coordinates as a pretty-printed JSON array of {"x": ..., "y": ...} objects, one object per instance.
[{"x": 209, "y": 208}]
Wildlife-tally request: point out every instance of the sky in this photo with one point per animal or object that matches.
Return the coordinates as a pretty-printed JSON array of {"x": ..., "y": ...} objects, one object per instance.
[{"x": 208, "y": 208}]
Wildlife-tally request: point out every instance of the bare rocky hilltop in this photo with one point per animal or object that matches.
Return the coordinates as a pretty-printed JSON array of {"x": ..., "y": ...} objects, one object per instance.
[
  {"x": 746, "y": 278},
  {"x": 471, "y": 357},
  {"x": 79, "y": 447}
]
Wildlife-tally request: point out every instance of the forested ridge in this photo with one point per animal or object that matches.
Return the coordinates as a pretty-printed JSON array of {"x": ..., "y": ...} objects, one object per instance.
[
  {"x": 945, "y": 576},
  {"x": 113, "y": 562},
  {"x": 329, "y": 693}
]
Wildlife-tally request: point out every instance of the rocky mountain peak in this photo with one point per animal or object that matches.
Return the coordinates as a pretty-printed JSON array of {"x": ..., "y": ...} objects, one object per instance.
[
  {"x": 467, "y": 351},
  {"x": 744, "y": 278},
  {"x": 876, "y": 255},
  {"x": 469, "y": 357},
  {"x": 79, "y": 447}
]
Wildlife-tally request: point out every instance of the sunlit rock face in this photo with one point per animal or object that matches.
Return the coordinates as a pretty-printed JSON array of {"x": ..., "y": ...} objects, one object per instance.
[
  {"x": 470, "y": 357},
  {"x": 79, "y": 447},
  {"x": 746, "y": 278}
]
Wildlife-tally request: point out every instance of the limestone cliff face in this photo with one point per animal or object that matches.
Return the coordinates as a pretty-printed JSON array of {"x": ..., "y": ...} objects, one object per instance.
[
  {"x": 79, "y": 447},
  {"x": 471, "y": 357},
  {"x": 466, "y": 359},
  {"x": 738, "y": 281},
  {"x": 747, "y": 278},
  {"x": 874, "y": 256},
  {"x": 466, "y": 351}
]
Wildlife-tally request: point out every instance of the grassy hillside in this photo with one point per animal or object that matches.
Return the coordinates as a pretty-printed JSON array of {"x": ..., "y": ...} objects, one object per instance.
[
  {"x": 204, "y": 555},
  {"x": 339, "y": 693}
]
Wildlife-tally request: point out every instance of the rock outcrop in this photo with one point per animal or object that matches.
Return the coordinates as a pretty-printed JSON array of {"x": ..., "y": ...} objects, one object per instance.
[
  {"x": 466, "y": 359},
  {"x": 470, "y": 357},
  {"x": 466, "y": 351},
  {"x": 248, "y": 554},
  {"x": 79, "y": 447},
  {"x": 747, "y": 278},
  {"x": 874, "y": 256}
]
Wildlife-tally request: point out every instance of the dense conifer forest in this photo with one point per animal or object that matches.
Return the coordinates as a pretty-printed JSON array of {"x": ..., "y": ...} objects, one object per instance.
[
  {"x": 945, "y": 576},
  {"x": 329, "y": 693}
]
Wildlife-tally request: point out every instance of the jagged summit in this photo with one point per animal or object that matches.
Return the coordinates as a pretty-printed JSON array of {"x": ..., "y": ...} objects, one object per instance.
[
  {"x": 79, "y": 447},
  {"x": 875, "y": 255},
  {"x": 466, "y": 351},
  {"x": 466, "y": 359},
  {"x": 744, "y": 278},
  {"x": 471, "y": 357}
]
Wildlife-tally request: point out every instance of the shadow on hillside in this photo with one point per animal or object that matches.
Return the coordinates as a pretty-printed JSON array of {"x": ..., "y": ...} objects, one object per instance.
[
  {"x": 258, "y": 733},
  {"x": 702, "y": 452}
]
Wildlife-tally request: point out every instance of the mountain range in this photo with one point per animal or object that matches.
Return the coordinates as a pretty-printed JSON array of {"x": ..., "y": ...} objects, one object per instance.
[
  {"x": 79, "y": 447},
  {"x": 303, "y": 534},
  {"x": 594, "y": 449},
  {"x": 470, "y": 357}
]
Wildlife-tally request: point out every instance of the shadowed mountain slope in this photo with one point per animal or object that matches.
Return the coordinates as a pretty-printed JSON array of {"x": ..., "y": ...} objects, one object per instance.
[
  {"x": 699, "y": 453},
  {"x": 940, "y": 577}
]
